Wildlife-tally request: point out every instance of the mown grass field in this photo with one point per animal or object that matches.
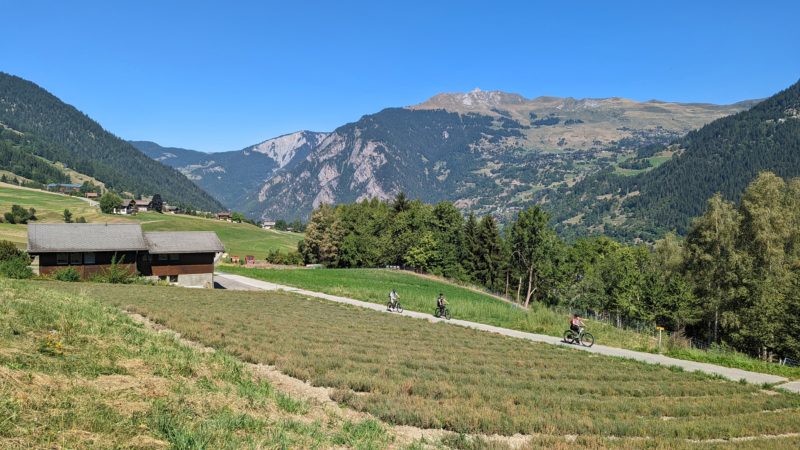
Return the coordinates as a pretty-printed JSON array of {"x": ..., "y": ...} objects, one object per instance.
[
  {"x": 419, "y": 294},
  {"x": 410, "y": 372},
  {"x": 239, "y": 239},
  {"x": 76, "y": 373},
  {"x": 49, "y": 206}
]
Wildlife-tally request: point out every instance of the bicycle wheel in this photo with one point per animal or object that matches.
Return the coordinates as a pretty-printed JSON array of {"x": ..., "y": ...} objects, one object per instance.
[
  {"x": 399, "y": 308},
  {"x": 587, "y": 340},
  {"x": 447, "y": 314},
  {"x": 436, "y": 313},
  {"x": 389, "y": 306},
  {"x": 569, "y": 337}
]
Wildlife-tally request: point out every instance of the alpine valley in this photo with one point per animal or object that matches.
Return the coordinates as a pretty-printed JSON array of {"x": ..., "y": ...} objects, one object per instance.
[{"x": 487, "y": 151}]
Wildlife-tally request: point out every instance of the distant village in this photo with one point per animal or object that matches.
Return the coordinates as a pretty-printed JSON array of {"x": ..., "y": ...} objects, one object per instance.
[{"x": 130, "y": 206}]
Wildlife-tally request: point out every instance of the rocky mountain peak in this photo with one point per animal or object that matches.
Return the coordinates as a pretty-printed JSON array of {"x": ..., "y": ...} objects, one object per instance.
[{"x": 283, "y": 148}]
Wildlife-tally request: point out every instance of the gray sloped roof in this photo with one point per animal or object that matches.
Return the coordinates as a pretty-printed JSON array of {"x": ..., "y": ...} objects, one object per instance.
[
  {"x": 159, "y": 242},
  {"x": 82, "y": 237}
]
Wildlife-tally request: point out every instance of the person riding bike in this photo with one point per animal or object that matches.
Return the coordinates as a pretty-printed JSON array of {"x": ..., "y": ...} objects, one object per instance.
[
  {"x": 393, "y": 298},
  {"x": 441, "y": 303},
  {"x": 576, "y": 324}
]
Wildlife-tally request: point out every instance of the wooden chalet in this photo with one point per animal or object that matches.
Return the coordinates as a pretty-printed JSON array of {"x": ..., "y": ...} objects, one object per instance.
[{"x": 185, "y": 258}]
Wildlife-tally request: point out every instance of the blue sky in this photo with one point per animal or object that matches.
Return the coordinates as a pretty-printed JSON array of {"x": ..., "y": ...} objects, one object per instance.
[{"x": 223, "y": 75}]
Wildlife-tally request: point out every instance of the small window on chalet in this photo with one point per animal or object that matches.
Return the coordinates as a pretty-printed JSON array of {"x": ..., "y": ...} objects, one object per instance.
[
  {"x": 62, "y": 259},
  {"x": 174, "y": 257},
  {"x": 88, "y": 258},
  {"x": 162, "y": 257},
  {"x": 76, "y": 259},
  {"x": 173, "y": 278}
]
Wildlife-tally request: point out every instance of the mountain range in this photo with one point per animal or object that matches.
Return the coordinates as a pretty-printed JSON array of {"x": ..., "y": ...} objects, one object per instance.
[{"x": 487, "y": 151}]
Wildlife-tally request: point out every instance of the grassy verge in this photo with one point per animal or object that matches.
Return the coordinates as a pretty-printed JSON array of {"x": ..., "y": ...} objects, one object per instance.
[
  {"x": 75, "y": 373},
  {"x": 419, "y": 294},
  {"x": 729, "y": 358},
  {"x": 409, "y": 372}
]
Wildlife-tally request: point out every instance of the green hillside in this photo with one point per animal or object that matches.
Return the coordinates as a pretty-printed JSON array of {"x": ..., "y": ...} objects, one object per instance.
[
  {"x": 723, "y": 156},
  {"x": 51, "y": 129},
  {"x": 240, "y": 239}
]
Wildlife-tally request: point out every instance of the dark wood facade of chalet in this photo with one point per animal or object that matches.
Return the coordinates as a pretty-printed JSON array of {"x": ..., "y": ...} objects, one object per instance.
[
  {"x": 173, "y": 264},
  {"x": 185, "y": 258},
  {"x": 87, "y": 264}
]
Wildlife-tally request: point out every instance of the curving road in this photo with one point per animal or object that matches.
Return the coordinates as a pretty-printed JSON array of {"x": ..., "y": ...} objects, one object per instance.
[{"x": 238, "y": 282}]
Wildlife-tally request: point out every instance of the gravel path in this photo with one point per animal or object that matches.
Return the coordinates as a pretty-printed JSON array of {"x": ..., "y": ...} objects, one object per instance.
[{"x": 238, "y": 282}]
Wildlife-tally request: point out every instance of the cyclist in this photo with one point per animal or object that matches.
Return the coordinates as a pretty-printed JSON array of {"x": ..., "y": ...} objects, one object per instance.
[
  {"x": 441, "y": 303},
  {"x": 393, "y": 297},
  {"x": 576, "y": 324}
]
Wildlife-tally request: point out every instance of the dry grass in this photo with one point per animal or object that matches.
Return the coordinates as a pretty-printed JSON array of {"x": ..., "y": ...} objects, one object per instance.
[
  {"x": 406, "y": 371},
  {"x": 78, "y": 374}
]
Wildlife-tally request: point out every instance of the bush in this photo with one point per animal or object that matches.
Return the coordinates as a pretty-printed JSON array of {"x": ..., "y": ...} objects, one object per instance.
[
  {"x": 9, "y": 251},
  {"x": 116, "y": 273},
  {"x": 20, "y": 215},
  {"x": 288, "y": 259},
  {"x": 17, "y": 267},
  {"x": 109, "y": 201},
  {"x": 68, "y": 274}
]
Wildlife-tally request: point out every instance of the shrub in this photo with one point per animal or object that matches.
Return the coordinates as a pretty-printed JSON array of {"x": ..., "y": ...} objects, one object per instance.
[
  {"x": 116, "y": 273},
  {"x": 17, "y": 267},
  {"x": 109, "y": 201},
  {"x": 289, "y": 259},
  {"x": 18, "y": 214},
  {"x": 67, "y": 274},
  {"x": 9, "y": 251}
]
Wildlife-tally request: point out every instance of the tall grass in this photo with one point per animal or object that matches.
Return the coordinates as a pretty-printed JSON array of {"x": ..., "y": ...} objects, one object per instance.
[{"x": 409, "y": 372}]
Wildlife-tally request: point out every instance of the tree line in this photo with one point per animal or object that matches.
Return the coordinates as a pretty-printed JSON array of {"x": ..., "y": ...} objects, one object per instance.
[{"x": 733, "y": 280}]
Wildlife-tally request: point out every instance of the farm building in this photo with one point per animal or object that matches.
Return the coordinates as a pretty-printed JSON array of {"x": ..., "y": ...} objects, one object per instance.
[
  {"x": 185, "y": 258},
  {"x": 143, "y": 205},
  {"x": 126, "y": 207},
  {"x": 64, "y": 188}
]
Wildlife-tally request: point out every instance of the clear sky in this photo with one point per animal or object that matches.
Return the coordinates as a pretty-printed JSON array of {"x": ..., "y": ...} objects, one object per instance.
[{"x": 223, "y": 75}]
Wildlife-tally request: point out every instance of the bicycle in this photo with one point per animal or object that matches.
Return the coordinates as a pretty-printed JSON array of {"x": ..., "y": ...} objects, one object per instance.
[
  {"x": 442, "y": 312},
  {"x": 394, "y": 307},
  {"x": 579, "y": 338}
]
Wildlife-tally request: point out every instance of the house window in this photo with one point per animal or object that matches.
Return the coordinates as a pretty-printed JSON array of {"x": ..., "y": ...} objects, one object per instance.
[
  {"x": 75, "y": 259},
  {"x": 173, "y": 278},
  {"x": 174, "y": 257},
  {"x": 88, "y": 258},
  {"x": 62, "y": 259},
  {"x": 162, "y": 257}
]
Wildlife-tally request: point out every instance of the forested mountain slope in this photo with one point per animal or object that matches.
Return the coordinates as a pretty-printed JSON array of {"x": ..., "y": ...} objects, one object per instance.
[
  {"x": 488, "y": 151},
  {"x": 723, "y": 156},
  {"x": 56, "y": 131}
]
